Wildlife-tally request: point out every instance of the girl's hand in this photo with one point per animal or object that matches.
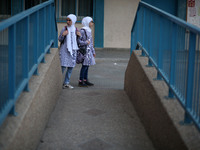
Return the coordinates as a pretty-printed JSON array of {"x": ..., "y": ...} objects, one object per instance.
[
  {"x": 88, "y": 42},
  {"x": 94, "y": 55},
  {"x": 65, "y": 33},
  {"x": 78, "y": 33}
]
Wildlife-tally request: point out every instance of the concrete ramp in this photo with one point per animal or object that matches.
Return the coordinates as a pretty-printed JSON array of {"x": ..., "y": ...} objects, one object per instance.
[{"x": 99, "y": 117}]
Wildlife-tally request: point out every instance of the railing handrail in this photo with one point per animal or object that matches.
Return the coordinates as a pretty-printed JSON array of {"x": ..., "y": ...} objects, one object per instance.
[
  {"x": 167, "y": 41},
  {"x": 8, "y": 22},
  {"x": 174, "y": 19},
  {"x": 26, "y": 43}
]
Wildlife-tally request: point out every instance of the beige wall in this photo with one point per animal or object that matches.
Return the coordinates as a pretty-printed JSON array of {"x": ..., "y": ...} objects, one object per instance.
[{"x": 118, "y": 20}]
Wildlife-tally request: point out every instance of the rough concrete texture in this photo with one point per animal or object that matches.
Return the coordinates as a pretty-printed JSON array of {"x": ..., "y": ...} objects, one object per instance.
[
  {"x": 99, "y": 117},
  {"x": 24, "y": 131},
  {"x": 160, "y": 116}
]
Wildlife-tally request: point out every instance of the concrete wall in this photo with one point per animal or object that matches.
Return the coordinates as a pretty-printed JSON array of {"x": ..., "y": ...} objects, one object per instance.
[
  {"x": 118, "y": 21},
  {"x": 24, "y": 131},
  {"x": 160, "y": 116}
]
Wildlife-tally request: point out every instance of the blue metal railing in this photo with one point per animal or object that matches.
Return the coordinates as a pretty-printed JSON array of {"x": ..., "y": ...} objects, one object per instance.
[
  {"x": 173, "y": 47},
  {"x": 24, "y": 40}
]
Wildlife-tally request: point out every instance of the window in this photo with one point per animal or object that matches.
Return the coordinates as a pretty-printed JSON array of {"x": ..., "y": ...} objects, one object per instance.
[
  {"x": 5, "y": 9},
  {"x": 80, "y": 8},
  {"x": 68, "y": 7},
  {"x": 32, "y": 3},
  {"x": 85, "y": 8}
]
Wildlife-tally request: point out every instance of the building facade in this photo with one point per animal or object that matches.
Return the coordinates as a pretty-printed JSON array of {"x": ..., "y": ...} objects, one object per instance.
[{"x": 113, "y": 18}]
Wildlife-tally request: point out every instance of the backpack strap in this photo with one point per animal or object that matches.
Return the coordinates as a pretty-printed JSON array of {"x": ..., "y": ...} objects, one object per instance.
[
  {"x": 85, "y": 32},
  {"x": 64, "y": 38}
]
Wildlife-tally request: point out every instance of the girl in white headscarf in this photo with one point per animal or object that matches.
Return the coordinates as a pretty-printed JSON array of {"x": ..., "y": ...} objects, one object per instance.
[
  {"x": 86, "y": 40},
  {"x": 68, "y": 48}
]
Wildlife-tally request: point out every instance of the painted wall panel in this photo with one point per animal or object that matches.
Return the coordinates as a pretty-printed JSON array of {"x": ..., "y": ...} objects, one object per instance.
[
  {"x": 99, "y": 23},
  {"x": 182, "y": 8},
  {"x": 118, "y": 21}
]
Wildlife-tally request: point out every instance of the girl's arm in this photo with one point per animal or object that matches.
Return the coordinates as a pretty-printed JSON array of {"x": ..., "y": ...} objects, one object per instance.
[{"x": 82, "y": 41}]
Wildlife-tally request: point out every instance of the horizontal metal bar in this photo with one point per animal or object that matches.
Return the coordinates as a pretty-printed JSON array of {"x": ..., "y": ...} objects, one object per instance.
[
  {"x": 14, "y": 29},
  {"x": 172, "y": 18}
]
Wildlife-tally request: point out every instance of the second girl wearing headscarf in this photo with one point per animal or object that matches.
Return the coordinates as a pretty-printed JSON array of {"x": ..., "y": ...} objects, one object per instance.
[{"x": 86, "y": 39}]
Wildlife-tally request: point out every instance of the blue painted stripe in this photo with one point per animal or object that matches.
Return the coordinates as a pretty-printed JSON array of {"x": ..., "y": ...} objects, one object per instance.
[{"x": 99, "y": 23}]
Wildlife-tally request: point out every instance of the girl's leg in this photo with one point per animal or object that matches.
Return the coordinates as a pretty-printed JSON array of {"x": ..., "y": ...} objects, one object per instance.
[
  {"x": 86, "y": 73},
  {"x": 68, "y": 75},
  {"x": 86, "y": 77},
  {"x": 67, "y": 78},
  {"x": 82, "y": 74},
  {"x": 63, "y": 69}
]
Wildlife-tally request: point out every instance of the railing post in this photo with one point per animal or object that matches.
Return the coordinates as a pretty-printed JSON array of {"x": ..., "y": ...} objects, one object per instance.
[
  {"x": 143, "y": 34},
  {"x": 36, "y": 42},
  {"x": 150, "y": 41},
  {"x": 173, "y": 60},
  {"x": 45, "y": 27},
  {"x": 190, "y": 76},
  {"x": 49, "y": 26},
  {"x": 43, "y": 35},
  {"x": 13, "y": 112},
  {"x": 160, "y": 52},
  {"x": 11, "y": 65},
  {"x": 12, "y": 60},
  {"x": 26, "y": 52},
  {"x": 55, "y": 44}
]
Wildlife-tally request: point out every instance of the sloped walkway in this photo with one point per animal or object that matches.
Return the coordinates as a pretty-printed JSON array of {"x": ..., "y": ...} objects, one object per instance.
[{"x": 99, "y": 117}]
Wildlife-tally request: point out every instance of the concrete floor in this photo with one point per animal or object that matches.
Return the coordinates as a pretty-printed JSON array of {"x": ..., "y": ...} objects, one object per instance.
[{"x": 99, "y": 117}]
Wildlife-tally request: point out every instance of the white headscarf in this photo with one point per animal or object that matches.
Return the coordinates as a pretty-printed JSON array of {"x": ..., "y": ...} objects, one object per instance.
[
  {"x": 85, "y": 22},
  {"x": 72, "y": 29}
]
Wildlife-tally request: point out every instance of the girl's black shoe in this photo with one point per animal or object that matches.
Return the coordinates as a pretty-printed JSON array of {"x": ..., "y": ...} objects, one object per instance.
[
  {"x": 82, "y": 84},
  {"x": 88, "y": 83}
]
